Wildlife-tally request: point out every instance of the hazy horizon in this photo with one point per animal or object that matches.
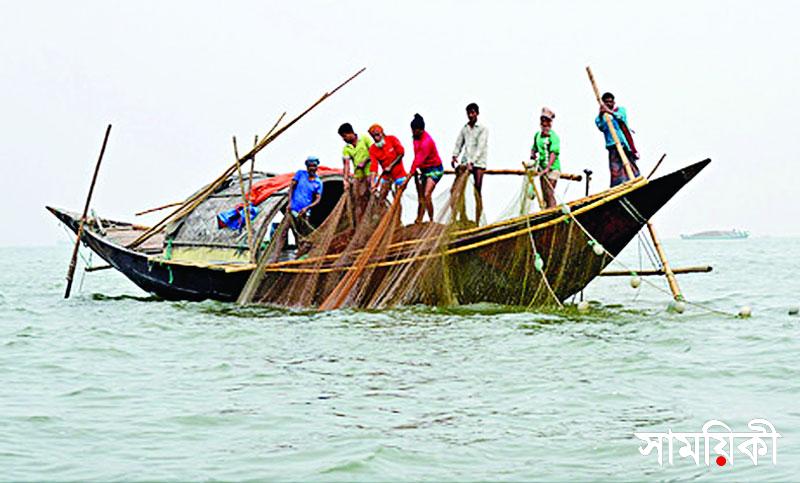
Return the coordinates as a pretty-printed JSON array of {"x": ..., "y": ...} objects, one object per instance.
[{"x": 177, "y": 80}]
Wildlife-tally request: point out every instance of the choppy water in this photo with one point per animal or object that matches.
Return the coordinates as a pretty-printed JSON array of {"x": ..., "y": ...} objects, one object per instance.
[{"x": 114, "y": 384}]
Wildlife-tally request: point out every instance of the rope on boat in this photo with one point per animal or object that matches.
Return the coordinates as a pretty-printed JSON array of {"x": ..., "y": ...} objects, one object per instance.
[
  {"x": 592, "y": 242},
  {"x": 538, "y": 264},
  {"x": 279, "y": 267}
]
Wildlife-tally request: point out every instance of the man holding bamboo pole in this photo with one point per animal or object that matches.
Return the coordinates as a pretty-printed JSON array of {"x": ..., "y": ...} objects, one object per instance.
[
  {"x": 630, "y": 173},
  {"x": 619, "y": 120}
]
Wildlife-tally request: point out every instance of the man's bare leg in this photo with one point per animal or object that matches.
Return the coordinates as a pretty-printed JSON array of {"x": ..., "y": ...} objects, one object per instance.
[{"x": 477, "y": 174}]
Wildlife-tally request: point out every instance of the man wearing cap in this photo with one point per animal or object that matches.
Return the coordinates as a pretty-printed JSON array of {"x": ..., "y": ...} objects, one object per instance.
[
  {"x": 304, "y": 193},
  {"x": 619, "y": 119},
  {"x": 545, "y": 156},
  {"x": 387, "y": 152},
  {"x": 473, "y": 142},
  {"x": 356, "y": 152}
]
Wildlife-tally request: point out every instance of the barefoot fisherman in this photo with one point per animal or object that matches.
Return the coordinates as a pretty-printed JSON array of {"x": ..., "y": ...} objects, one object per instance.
[
  {"x": 427, "y": 167},
  {"x": 473, "y": 142},
  {"x": 619, "y": 119},
  {"x": 387, "y": 152},
  {"x": 356, "y": 153}
]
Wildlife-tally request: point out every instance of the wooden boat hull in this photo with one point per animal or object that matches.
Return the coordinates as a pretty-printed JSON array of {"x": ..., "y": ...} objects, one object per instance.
[{"x": 570, "y": 264}]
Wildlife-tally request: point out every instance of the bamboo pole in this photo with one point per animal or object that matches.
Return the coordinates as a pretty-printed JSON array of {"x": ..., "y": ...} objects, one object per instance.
[
  {"x": 97, "y": 268},
  {"x": 532, "y": 181},
  {"x": 656, "y": 166},
  {"x": 645, "y": 273},
  {"x": 246, "y": 203},
  {"x": 252, "y": 168},
  {"x": 74, "y": 259},
  {"x": 158, "y": 208},
  {"x": 521, "y": 172},
  {"x": 671, "y": 280},
  {"x": 190, "y": 204}
]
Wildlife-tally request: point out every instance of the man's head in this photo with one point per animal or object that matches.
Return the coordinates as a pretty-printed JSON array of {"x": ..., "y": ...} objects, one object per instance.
[
  {"x": 546, "y": 119},
  {"x": 472, "y": 113},
  {"x": 608, "y": 100},
  {"x": 312, "y": 162},
  {"x": 347, "y": 133},
  {"x": 417, "y": 126},
  {"x": 376, "y": 131}
]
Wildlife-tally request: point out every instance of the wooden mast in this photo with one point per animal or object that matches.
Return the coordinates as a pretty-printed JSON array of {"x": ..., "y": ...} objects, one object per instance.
[
  {"x": 671, "y": 280},
  {"x": 74, "y": 259}
]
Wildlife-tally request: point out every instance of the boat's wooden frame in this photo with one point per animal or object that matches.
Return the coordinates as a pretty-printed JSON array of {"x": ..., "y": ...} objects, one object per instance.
[{"x": 612, "y": 218}]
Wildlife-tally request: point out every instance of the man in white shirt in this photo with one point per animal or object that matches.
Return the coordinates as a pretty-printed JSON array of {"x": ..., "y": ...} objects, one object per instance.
[{"x": 472, "y": 141}]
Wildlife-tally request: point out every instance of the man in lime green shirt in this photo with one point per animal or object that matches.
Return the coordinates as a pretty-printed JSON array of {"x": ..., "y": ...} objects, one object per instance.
[
  {"x": 545, "y": 153},
  {"x": 356, "y": 152}
]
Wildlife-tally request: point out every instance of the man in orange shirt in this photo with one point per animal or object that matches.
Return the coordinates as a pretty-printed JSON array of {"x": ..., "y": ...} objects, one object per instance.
[{"x": 388, "y": 152}]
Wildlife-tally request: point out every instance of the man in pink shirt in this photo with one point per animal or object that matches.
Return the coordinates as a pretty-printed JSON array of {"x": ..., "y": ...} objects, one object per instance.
[{"x": 429, "y": 165}]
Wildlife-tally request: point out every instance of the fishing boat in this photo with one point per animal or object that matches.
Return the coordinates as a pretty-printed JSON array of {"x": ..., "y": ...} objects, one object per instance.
[
  {"x": 717, "y": 235},
  {"x": 193, "y": 259}
]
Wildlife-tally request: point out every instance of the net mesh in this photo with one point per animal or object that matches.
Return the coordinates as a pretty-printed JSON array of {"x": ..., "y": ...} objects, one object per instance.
[{"x": 377, "y": 262}]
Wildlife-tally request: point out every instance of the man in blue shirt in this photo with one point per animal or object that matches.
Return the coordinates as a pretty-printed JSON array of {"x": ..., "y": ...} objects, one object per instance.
[
  {"x": 304, "y": 193},
  {"x": 619, "y": 119}
]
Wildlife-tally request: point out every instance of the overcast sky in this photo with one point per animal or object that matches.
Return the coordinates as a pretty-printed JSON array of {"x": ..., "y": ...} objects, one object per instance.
[{"x": 178, "y": 79}]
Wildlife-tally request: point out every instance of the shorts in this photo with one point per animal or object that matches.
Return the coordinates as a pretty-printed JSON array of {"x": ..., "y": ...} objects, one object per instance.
[
  {"x": 435, "y": 172},
  {"x": 361, "y": 173},
  {"x": 554, "y": 175},
  {"x": 397, "y": 182}
]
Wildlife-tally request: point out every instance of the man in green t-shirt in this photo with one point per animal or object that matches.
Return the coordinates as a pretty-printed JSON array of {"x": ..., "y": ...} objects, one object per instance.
[
  {"x": 545, "y": 153},
  {"x": 356, "y": 153}
]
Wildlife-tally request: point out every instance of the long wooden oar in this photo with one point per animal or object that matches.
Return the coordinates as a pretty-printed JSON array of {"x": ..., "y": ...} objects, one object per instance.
[
  {"x": 74, "y": 258},
  {"x": 671, "y": 280},
  {"x": 190, "y": 204}
]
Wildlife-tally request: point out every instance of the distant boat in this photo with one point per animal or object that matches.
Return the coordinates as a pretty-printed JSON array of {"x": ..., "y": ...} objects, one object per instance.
[{"x": 717, "y": 235}]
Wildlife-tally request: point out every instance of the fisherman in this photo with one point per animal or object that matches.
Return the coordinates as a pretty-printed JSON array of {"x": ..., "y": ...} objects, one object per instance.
[
  {"x": 619, "y": 119},
  {"x": 388, "y": 152},
  {"x": 545, "y": 156},
  {"x": 472, "y": 140},
  {"x": 305, "y": 192},
  {"x": 356, "y": 152},
  {"x": 429, "y": 165}
]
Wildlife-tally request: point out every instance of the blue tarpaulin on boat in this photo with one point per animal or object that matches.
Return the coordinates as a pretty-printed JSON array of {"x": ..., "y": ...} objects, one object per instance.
[{"x": 234, "y": 219}]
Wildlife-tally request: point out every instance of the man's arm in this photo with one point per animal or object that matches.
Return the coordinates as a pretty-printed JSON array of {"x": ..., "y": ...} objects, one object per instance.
[
  {"x": 459, "y": 145},
  {"x": 394, "y": 163},
  {"x": 291, "y": 192},
  {"x": 346, "y": 171}
]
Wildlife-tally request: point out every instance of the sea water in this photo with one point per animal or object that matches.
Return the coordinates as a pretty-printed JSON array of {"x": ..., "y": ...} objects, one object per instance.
[{"x": 117, "y": 384}]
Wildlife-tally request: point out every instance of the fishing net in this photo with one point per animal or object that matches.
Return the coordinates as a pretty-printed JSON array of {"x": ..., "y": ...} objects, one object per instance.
[{"x": 378, "y": 261}]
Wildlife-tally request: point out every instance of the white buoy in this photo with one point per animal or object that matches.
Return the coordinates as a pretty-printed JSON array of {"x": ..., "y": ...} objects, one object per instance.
[
  {"x": 598, "y": 249},
  {"x": 636, "y": 281},
  {"x": 678, "y": 306},
  {"x": 745, "y": 311},
  {"x": 794, "y": 310},
  {"x": 583, "y": 306}
]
